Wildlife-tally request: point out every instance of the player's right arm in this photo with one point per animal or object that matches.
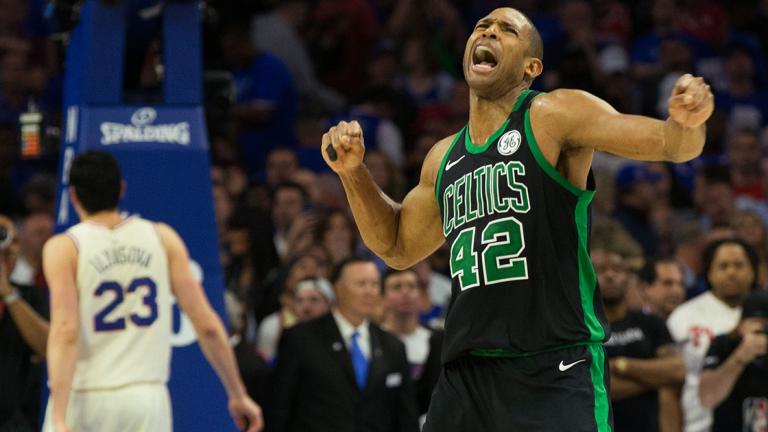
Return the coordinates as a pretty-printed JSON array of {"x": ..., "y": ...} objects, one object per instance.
[
  {"x": 60, "y": 268},
  {"x": 400, "y": 234},
  {"x": 210, "y": 331}
]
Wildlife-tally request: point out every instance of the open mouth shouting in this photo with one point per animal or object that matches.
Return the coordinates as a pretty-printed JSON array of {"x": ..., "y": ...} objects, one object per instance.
[{"x": 484, "y": 59}]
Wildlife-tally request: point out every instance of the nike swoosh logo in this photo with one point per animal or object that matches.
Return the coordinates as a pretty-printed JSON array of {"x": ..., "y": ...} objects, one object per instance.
[
  {"x": 451, "y": 164},
  {"x": 565, "y": 367}
]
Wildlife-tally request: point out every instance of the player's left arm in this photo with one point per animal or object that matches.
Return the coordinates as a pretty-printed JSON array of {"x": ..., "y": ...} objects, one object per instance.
[
  {"x": 668, "y": 368},
  {"x": 60, "y": 267},
  {"x": 210, "y": 331},
  {"x": 577, "y": 119}
]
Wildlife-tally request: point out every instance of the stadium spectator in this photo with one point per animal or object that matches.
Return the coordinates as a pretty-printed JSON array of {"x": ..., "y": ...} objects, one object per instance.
[
  {"x": 405, "y": 297},
  {"x": 335, "y": 231},
  {"x": 730, "y": 269},
  {"x": 386, "y": 175},
  {"x": 23, "y": 337},
  {"x": 279, "y": 32},
  {"x": 642, "y": 356},
  {"x": 282, "y": 162},
  {"x": 313, "y": 298},
  {"x": 34, "y": 230},
  {"x": 663, "y": 290},
  {"x": 289, "y": 200},
  {"x": 750, "y": 227},
  {"x": 742, "y": 101},
  {"x": 636, "y": 198},
  {"x": 343, "y": 354},
  {"x": 743, "y": 152},
  {"x": 39, "y": 194},
  {"x": 713, "y": 196},
  {"x": 734, "y": 381},
  {"x": 661, "y": 282},
  {"x": 264, "y": 109},
  {"x": 278, "y": 311}
]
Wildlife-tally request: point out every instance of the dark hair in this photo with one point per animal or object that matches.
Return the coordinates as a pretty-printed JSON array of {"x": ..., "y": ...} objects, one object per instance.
[
  {"x": 289, "y": 185},
  {"x": 648, "y": 273},
  {"x": 339, "y": 269},
  {"x": 95, "y": 175},
  {"x": 708, "y": 257},
  {"x": 715, "y": 173},
  {"x": 324, "y": 224},
  {"x": 535, "y": 43},
  {"x": 389, "y": 272}
]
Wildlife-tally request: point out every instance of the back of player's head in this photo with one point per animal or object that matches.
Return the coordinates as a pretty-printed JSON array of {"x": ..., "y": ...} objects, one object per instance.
[{"x": 95, "y": 176}]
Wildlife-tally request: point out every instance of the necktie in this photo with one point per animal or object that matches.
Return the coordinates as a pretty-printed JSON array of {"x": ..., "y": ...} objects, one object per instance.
[{"x": 359, "y": 362}]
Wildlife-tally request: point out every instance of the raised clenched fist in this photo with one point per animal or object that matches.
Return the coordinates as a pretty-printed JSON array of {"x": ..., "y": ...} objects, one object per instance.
[
  {"x": 343, "y": 146},
  {"x": 691, "y": 102}
]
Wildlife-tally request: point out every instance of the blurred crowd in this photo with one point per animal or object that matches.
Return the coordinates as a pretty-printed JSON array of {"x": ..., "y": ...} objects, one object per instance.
[{"x": 677, "y": 247}]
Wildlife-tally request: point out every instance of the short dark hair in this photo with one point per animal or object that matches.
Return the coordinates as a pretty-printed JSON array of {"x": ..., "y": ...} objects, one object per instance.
[
  {"x": 389, "y": 272},
  {"x": 708, "y": 257},
  {"x": 95, "y": 175},
  {"x": 648, "y": 273},
  {"x": 289, "y": 185},
  {"x": 535, "y": 43},
  {"x": 338, "y": 270}
]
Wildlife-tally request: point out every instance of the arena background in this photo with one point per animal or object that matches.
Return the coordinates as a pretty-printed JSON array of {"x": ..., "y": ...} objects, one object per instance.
[{"x": 210, "y": 106}]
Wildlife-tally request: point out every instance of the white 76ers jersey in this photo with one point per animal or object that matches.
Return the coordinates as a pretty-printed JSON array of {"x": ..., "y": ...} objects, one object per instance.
[{"x": 125, "y": 300}]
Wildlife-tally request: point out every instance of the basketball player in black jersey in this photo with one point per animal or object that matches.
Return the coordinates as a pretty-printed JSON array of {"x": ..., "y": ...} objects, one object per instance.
[{"x": 510, "y": 192}]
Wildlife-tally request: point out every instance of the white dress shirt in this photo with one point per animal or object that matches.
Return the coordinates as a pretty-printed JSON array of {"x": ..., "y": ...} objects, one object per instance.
[{"x": 346, "y": 329}]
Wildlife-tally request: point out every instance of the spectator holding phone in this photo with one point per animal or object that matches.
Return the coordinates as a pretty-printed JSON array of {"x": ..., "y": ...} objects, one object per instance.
[{"x": 734, "y": 381}]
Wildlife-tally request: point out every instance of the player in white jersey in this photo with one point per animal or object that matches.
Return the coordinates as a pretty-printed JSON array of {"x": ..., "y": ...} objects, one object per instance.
[
  {"x": 730, "y": 268},
  {"x": 112, "y": 281}
]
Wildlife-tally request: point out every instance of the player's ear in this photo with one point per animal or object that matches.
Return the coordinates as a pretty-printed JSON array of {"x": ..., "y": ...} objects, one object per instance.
[
  {"x": 533, "y": 68},
  {"x": 123, "y": 188}
]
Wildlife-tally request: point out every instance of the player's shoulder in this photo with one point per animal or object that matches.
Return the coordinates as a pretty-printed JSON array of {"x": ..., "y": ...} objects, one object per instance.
[
  {"x": 561, "y": 101},
  {"x": 63, "y": 243},
  {"x": 436, "y": 154},
  {"x": 442, "y": 146}
]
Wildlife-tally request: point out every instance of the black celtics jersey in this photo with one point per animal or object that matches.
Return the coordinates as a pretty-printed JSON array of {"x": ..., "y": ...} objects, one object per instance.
[{"x": 518, "y": 233}]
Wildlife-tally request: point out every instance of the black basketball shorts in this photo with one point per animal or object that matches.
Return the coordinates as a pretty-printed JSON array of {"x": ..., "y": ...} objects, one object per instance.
[{"x": 564, "y": 390}]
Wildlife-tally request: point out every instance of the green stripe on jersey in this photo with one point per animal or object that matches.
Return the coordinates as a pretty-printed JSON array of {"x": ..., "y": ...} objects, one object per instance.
[
  {"x": 494, "y": 136},
  {"x": 544, "y": 163},
  {"x": 520, "y": 99},
  {"x": 597, "y": 374},
  {"x": 479, "y": 149},
  {"x": 587, "y": 276}
]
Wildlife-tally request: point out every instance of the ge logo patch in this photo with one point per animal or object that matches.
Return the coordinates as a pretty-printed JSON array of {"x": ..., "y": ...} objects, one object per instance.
[{"x": 509, "y": 142}]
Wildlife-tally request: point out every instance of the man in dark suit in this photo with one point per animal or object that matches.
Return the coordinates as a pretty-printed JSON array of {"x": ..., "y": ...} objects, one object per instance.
[{"x": 341, "y": 373}]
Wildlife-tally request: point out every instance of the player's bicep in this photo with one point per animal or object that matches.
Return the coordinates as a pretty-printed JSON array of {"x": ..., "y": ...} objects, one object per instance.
[
  {"x": 59, "y": 267},
  {"x": 588, "y": 121},
  {"x": 419, "y": 227}
]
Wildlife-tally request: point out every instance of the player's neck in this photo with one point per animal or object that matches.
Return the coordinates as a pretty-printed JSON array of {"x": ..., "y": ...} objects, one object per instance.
[
  {"x": 109, "y": 218},
  {"x": 487, "y": 115},
  {"x": 401, "y": 324}
]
